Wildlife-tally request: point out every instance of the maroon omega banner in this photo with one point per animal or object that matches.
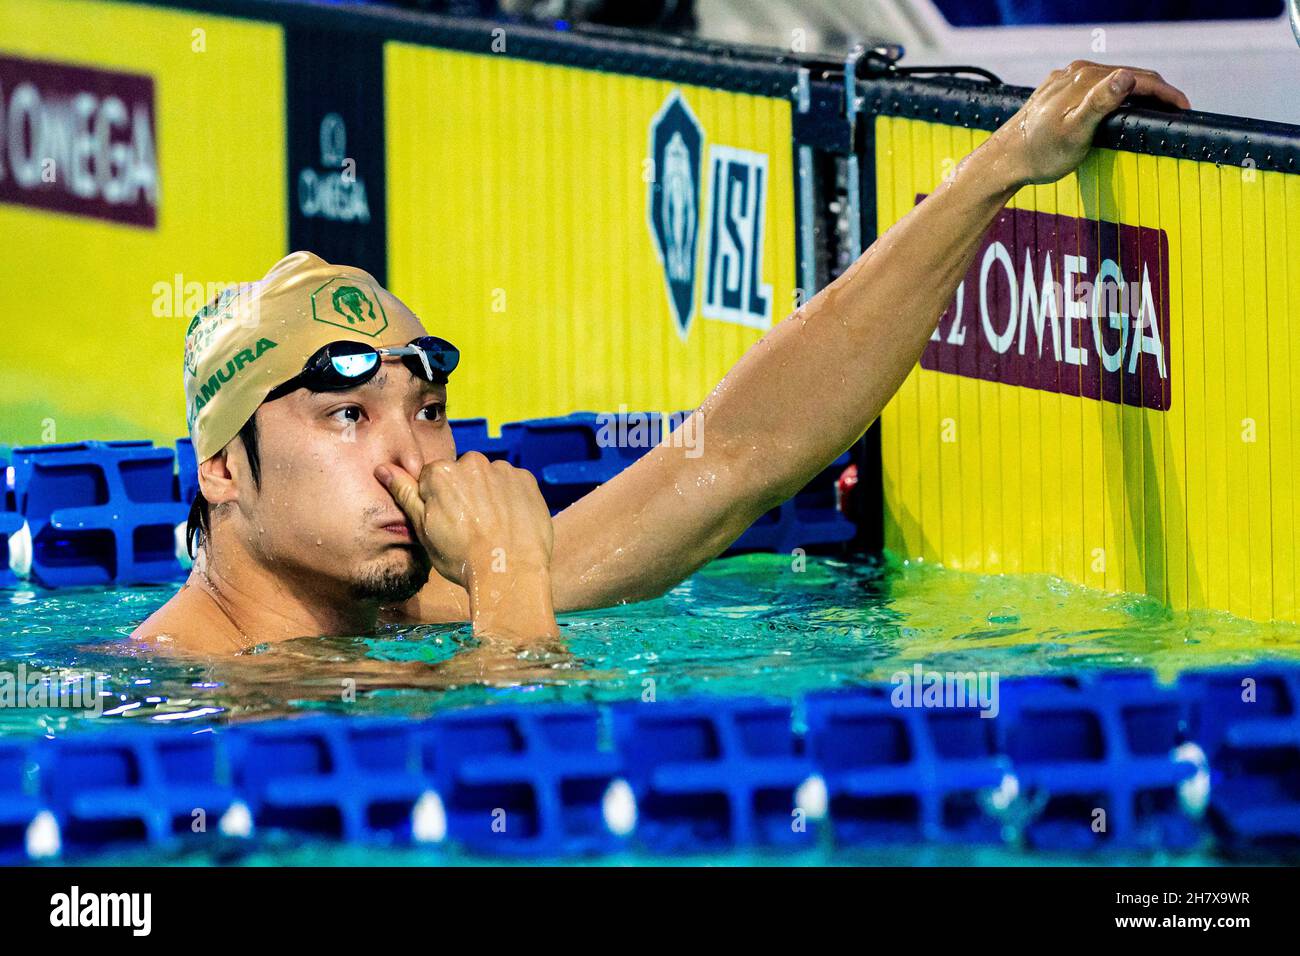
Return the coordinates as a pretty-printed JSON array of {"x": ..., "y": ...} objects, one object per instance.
[
  {"x": 78, "y": 140},
  {"x": 1062, "y": 304}
]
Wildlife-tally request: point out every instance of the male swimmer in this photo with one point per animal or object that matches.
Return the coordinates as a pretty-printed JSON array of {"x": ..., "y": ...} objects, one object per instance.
[{"x": 331, "y": 497}]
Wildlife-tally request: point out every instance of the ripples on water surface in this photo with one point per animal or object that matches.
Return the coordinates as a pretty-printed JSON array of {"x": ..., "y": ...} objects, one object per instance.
[{"x": 744, "y": 625}]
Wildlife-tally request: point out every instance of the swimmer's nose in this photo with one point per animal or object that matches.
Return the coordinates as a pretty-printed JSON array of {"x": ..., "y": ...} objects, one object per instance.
[
  {"x": 411, "y": 459},
  {"x": 401, "y": 447}
]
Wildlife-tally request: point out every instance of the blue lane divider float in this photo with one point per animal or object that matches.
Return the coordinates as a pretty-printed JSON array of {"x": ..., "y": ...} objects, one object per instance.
[
  {"x": 350, "y": 781},
  {"x": 98, "y": 512},
  {"x": 572, "y": 454},
  {"x": 706, "y": 776},
  {"x": 1077, "y": 764},
  {"x": 134, "y": 786},
  {"x": 93, "y": 513},
  {"x": 15, "y": 536},
  {"x": 1099, "y": 761},
  {"x": 895, "y": 774},
  {"x": 19, "y": 809},
  {"x": 532, "y": 780},
  {"x": 1246, "y": 721},
  {"x": 187, "y": 471},
  {"x": 472, "y": 435}
]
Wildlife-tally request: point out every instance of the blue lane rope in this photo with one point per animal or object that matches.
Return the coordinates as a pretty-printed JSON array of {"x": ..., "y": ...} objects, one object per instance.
[{"x": 1109, "y": 760}]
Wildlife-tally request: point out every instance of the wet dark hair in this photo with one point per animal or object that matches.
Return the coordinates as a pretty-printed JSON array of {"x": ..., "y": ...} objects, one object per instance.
[{"x": 199, "y": 525}]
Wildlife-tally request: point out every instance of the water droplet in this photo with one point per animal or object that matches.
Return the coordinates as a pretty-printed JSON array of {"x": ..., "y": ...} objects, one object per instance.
[{"x": 1004, "y": 615}]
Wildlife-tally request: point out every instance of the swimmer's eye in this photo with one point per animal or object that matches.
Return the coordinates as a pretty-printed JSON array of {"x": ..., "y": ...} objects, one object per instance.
[
  {"x": 434, "y": 413},
  {"x": 348, "y": 414}
]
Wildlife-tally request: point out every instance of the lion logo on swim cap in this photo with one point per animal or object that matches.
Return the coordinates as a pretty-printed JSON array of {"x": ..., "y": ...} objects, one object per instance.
[{"x": 349, "y": 304}]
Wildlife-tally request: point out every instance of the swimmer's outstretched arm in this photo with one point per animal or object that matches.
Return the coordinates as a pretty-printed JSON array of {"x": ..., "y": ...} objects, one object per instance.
[{"x": 810, "y": 387}]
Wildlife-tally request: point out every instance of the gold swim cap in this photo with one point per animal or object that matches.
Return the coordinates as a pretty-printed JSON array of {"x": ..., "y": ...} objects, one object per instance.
[{"x": 258, "y": 335}]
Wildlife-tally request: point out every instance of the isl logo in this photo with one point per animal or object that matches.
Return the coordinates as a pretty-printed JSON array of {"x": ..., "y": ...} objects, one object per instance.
[{"x": 676, "y": 145}]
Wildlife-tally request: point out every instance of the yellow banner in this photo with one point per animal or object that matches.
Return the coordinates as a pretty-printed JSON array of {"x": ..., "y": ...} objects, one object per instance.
[
  {"x": 527, "y": 219},
  {"x": 522, "y": 227},
  {"x": 1136, "y": 431},
  {"x": 152, "y": 170}
]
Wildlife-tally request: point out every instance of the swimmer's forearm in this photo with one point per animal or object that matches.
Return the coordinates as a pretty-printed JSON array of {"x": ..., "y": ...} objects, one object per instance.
[
  {"x": 514, "y": 604},
  {"x": 813, "y": 384},
  {"x": 795, "y": 400}
]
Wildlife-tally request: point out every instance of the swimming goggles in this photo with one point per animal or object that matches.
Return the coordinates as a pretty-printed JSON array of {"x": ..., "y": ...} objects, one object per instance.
[{"x": 344, "y": 364}]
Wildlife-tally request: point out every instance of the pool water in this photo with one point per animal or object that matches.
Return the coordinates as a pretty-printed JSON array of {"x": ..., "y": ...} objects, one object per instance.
[
  {"x": 752, "y": 624},
  {"x": 289, "y": 850}
]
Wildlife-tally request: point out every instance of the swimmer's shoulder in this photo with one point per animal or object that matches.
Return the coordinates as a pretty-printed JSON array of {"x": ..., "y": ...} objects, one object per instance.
[{"x": 188, "y": 623}]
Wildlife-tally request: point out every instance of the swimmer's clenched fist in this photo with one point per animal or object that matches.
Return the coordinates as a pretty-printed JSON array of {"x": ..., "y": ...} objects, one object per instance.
[{"x": 486, "y": 527}]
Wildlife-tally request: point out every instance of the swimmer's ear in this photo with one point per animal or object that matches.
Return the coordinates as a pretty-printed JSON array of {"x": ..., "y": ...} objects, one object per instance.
[{"x": 216, "y": 481}]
